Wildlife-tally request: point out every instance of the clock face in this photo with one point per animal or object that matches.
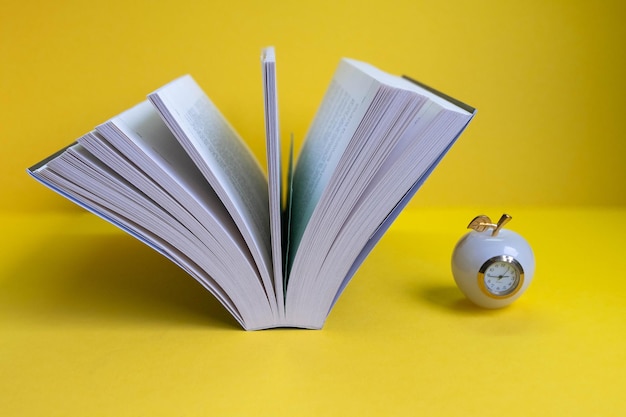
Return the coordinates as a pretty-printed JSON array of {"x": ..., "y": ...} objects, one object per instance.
[{"x": 501, "y": 277}]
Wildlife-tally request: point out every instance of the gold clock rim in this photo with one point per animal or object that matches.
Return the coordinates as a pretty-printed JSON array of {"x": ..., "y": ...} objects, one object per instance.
[{"x": 500, "y": 258}]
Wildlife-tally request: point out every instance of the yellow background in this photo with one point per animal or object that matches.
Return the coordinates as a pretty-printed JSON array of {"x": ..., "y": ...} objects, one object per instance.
[
  {"x": 93, "y": 323},
  {"x": 546, "y": 76}
]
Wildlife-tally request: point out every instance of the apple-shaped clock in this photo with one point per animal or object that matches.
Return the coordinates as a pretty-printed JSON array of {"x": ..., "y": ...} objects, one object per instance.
[{"x": 492, "y": 266}]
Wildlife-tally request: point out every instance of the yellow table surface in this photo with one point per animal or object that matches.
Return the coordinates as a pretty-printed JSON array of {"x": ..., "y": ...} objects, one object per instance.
[{"x": 93, "y": 323}]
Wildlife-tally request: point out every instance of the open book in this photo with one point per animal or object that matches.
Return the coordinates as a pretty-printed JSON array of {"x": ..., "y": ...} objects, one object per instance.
[{"x": 174, "y": 173}]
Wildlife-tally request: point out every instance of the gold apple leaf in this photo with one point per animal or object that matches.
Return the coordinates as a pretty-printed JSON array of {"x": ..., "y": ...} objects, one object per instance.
[{"x": 481, "y": 223}]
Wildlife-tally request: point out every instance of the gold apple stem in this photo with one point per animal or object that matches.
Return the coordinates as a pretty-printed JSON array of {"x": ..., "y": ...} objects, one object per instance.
[
  {"x": 503, "y": 220},
  {"x": 482, "y": 223}
]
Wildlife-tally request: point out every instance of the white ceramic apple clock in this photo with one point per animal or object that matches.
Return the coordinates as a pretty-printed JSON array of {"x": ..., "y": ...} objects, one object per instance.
[{"x": 492, "y": 266}]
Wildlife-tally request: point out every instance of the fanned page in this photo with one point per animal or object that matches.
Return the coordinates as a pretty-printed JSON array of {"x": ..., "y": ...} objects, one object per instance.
[
  {"x": 79, "y": 176},
  {"x": 227, "y": 164},
  {"x": 421, "y": 178},
  {"x": 347, "y": 99},
  {"x": 383, "y": 144},
  {"x": 139, "y": 146},
  {"x": 272, "y": 137},
  {"x": 133, "y": 172}
]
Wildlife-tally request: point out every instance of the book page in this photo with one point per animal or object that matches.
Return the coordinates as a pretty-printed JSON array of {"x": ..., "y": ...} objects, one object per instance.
[
  {"x": 99, "y": 190},
  {"x": 346, "y": 101},
  {"x": 225, "y": 161},
  {"x": 138, "y": 146},
  {"x": 140, "y": 134},
  {"x": 272, "y": 137},
  {"x": 349, "y": 191},
  {"x": 381, "y": 193}
]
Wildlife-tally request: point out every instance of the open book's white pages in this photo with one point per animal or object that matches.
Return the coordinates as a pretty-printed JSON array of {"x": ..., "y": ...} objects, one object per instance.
[
  {"x": 227, "y": 164},
  {"x": 274, "y": 173},
  {"x": 86, "y": 180},
  {"x": 372, "y": 154},
  {"x": 137, "y": 145},
  {"x": 172, "y": 172}
]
